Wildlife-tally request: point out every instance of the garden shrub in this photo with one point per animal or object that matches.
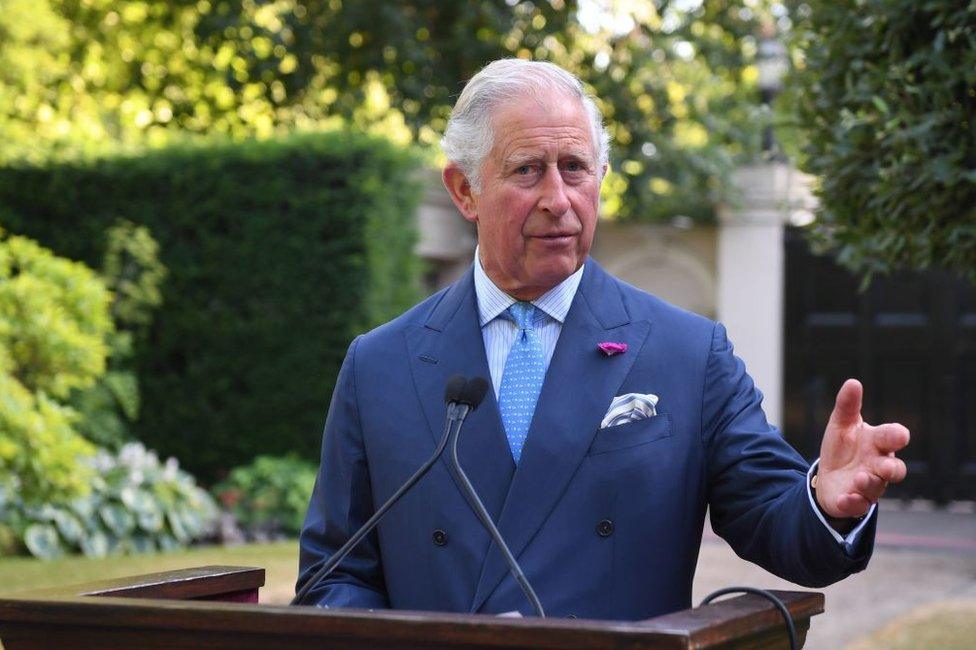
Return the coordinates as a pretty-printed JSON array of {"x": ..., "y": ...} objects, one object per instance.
[
  {"x": 54, "y": 320},
  {"x": 108, "y": 408},
  {"x": 269, "y": 496},
  {"x": 136, "y": 504},
  {"x": 277, "y": 253}
]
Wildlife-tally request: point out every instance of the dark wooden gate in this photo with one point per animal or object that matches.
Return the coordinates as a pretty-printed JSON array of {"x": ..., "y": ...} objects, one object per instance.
[{"x": 911, "y": 340}]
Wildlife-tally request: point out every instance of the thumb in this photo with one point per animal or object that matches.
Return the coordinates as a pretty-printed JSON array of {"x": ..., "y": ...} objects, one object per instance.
[{"x": 847, "y": 407}]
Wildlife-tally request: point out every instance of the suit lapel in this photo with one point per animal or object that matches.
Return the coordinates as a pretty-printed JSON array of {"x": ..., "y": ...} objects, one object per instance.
[
  {"x": 449, "y": 343},
  {"x": 579, "y": 386}
]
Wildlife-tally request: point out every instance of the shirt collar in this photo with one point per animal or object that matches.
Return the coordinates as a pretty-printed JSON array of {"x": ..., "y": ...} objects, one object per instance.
[{"x": 492, "y": 301}]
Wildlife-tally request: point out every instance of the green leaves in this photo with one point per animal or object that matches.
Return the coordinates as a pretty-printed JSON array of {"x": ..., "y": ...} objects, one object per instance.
[
  {"x": 269, "y": 496},
  {"x": 306, "y": 240},
  {"x": 69, "y": 527},
  {"x": 42, "y": 541},
  {"x": 117, "y": 519},
  {"x": 136, "y": 505},
  {"x": 134, "y": 273},
  {"x": 889, "y": 105},
  {"x": 94, "y": 544},
  {"x": 55, "y": 319},
  {"x": 676, "y": 79},
  {"x": 148, "y": 514},
  {"x": 53, "y": 324}
]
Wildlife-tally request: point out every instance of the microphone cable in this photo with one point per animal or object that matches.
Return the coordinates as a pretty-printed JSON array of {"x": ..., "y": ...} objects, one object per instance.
[{"x": 790, "y": 628}]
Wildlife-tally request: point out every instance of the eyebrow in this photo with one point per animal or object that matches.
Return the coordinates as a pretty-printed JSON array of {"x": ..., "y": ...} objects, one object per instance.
[{"x": 517, "y": 160}]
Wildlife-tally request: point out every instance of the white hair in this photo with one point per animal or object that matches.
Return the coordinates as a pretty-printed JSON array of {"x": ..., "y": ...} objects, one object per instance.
[{"x": 469, "y": 135}]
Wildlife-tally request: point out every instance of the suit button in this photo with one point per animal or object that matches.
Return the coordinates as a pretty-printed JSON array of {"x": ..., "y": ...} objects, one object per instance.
[
  {"x": 439, "y": 537},
  {"x": 604, "y": 528}
]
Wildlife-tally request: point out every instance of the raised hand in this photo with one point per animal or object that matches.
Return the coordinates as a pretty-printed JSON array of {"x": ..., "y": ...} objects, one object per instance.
[{"x": 857, "y": 460}]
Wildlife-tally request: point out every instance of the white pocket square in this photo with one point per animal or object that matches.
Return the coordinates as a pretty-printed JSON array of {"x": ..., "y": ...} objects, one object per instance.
[{"x": 629, "y": 407}]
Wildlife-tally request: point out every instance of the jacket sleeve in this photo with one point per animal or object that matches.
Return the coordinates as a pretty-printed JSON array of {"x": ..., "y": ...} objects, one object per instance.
[
  {"x": 757, "y": 489},
  {"x": 341, "y": 503}
]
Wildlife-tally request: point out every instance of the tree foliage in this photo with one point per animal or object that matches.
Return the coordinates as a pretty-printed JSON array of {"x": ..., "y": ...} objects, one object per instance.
[
  {"x": 676, "y": 79},
  {"x": 888, "y": 96},
  {"x": 54, "y": 319},
  {"x": 679, "y": 90}
]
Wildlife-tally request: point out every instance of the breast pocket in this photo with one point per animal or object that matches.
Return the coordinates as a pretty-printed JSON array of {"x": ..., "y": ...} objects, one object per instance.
[{"x": 632, "y": 434}]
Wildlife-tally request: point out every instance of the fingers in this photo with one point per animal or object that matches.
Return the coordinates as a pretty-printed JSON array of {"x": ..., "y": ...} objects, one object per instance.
[
  {"x": 889, "y": 468},
  {"x": 853, "y": 505},
  {"x": 889, "y": 438},
  {"x": 869, "y": 486},
  {"x": 847, "y": 406}
]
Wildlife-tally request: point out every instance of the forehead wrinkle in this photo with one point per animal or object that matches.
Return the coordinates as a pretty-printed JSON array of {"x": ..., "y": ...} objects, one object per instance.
[
  {"x": 562, "y": 130},
  {"x": 546, "y": 146}
]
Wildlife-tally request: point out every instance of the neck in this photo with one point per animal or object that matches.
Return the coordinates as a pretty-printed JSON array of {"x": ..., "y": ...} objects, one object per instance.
[
  {"x": 519, "y": 292},
  {"x": 525, "y": 295}
]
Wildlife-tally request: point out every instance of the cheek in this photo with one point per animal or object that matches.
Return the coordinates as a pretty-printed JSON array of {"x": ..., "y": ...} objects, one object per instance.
[
  {"x": 510, "y": 213},
  {"x": 499, "y": 228},
  {"x": 587, "y": 206}
]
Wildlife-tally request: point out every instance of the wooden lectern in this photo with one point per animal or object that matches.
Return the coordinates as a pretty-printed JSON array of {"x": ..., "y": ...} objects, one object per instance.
[{"x": 216, "y": 607}]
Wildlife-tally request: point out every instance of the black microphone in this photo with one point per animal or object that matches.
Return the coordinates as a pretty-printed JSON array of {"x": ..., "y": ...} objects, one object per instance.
[
  {"x": 469, "y": 399},
  {"x": 460, "y": 401},
  {"x": 452, "y": 393},
  {"x": 470, "y": 396}
]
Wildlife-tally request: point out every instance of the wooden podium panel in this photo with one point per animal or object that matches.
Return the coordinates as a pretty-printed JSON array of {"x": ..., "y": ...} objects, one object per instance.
[{"x": 216, "y": 608}]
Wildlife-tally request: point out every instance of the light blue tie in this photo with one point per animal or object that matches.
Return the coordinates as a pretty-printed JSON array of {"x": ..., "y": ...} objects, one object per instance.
[{"x": 522, "y": 378}]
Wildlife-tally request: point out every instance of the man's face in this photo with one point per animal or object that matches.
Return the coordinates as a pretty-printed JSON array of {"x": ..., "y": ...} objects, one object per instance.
[{"x": 540, "y": 186}]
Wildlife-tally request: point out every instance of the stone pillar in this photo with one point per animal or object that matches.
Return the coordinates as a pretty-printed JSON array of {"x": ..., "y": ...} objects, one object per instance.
[
  {"x": 446, "y": 241},
  {"x": 751, "y": 269}
]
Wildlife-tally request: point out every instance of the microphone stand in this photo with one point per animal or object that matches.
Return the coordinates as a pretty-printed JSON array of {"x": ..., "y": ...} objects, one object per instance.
[
  {"x": 485, "y": 518},
  {"x": 462, "y": 397},
  {"x": 455, "y": 416}
]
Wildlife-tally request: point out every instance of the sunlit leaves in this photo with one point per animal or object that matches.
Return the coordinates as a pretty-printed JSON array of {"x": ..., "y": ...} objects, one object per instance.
[
  {"x": 674, "y": 82},
  {"x": 54, "y": 316},
  {"x": 39, "y": 449},
  {"x": 674, "y": 76},
  {"x": 53, "y": 323}
]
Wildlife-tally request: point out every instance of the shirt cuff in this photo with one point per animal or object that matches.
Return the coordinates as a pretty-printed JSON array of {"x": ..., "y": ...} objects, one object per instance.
[{"x": 850, "y": 540}]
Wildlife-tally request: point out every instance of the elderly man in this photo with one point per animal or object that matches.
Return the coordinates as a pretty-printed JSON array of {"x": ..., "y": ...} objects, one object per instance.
[{"x": 605, "y": 517}]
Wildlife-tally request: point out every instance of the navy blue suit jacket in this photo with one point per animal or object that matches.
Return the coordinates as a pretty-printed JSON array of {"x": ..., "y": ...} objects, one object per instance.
[{"x": 644, "y": 485}]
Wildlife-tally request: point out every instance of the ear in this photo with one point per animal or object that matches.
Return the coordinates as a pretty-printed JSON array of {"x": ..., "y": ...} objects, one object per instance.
[{"x": 461, "y": 193}]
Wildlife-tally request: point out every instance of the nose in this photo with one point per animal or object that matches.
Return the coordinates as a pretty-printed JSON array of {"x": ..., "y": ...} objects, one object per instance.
[{"x": 553, "y": 197}]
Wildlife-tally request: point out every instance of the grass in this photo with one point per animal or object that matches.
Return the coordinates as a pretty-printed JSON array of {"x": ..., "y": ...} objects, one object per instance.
[
  {"x": 279, "y": 559},
  {"x": 948, "y": 625}
]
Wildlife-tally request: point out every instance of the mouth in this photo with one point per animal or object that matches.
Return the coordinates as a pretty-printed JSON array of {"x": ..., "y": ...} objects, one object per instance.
[{"x": 556, "y": 238}]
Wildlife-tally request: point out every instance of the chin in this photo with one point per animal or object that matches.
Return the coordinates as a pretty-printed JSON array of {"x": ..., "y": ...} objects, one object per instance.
[{"x": 552, "y": 273}]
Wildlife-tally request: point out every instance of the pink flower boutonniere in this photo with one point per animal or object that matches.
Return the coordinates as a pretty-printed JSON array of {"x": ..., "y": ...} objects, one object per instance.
[{"x": 609, "y": 348}]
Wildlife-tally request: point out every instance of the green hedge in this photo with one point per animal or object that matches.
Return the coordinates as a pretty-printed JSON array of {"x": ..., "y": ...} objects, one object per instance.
[
  {"x": 887, "y": 97},
  {"x": 278, "y": 254}
]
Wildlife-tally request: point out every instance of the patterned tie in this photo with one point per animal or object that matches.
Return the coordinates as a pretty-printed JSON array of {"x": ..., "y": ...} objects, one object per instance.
[{"x": 522, "y": 378}]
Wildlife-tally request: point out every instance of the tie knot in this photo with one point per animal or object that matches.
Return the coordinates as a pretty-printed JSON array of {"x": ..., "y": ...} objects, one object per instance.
[{"x": 523, "y": 313}]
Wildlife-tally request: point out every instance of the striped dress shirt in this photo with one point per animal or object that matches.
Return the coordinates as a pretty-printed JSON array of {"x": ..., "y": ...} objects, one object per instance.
[{"x": 499, "y": 332}]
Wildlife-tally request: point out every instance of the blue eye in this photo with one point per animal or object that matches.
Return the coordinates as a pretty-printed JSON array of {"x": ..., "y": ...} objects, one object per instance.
[{"x": 523, "y": 170}]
